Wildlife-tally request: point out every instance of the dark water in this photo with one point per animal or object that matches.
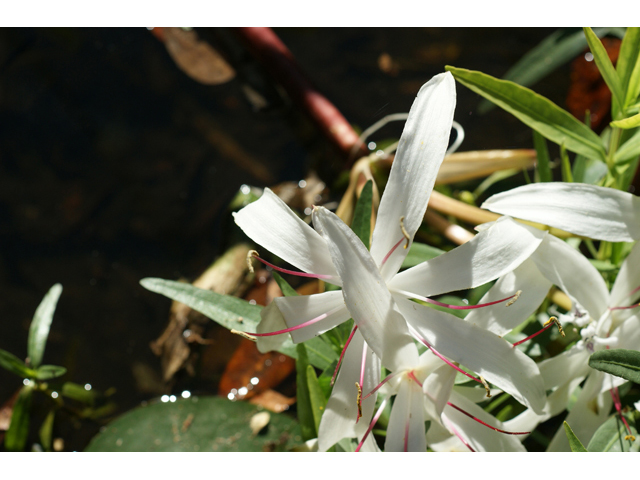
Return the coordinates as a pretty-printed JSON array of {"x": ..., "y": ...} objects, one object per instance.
[{"x": 107, "y": 177}]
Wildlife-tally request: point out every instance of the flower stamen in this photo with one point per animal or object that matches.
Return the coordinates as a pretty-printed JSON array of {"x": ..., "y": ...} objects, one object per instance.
[
  {"x": 393, "y": 249},
  {"x": 254, "y": 254},
  {"x": 485, "y": 385},
  {"x": 457, "y": 434},
  {"x": 290, "y": 329},
  {"x": 374, "y": 420},
  {"x": 405, "y": 234},
  {"x": 483, "y": 423},
  {"x": 359, "y": 401},
  {"x": 344, "y": 349},
  {"x": 548, "y": 324},
  {"x": 512, "y": 299},
  {"x": 412, "y": 376}
]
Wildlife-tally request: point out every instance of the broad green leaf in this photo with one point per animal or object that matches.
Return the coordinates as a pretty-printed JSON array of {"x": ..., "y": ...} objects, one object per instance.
[
  {"x": 629, "y": 150},
  {"x": 287, "y": 290},
  {"x": 197, "y": 424},
  {"x": 361, "y": 224},
  {"x": 16, "y": 437},
  {"x": 46, "y": 431},
  {"x": 543, "y": 161},
  {"x": 420, "y": 252},
  {"x": 316, "y": 397},
  {"x": 619, "y": 362},
  {"x": 303, "y": 396},
  {"x": 535, "y": 111},
  {"x": 574, "y": 442},
  {"x": 612, "y": 436},
  {"x": 47, "y": 372},
  {"x": 13, "y": 364},
  {"x": 628, "y": 65},
  {"x": 605, "y": 66},
  {"x": 631, "y": 122},
  {"x": 40, "y": 325},
  {"x": 233, "y": 313}
]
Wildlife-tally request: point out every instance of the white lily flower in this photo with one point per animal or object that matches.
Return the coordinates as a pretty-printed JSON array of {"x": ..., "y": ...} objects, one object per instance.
[{"x": 587, "y": 210}]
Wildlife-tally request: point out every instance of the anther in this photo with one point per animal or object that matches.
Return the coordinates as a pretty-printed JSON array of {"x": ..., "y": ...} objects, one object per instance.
[
  {"x": 630, "y": 437},
  {"x": 359, "y": 401},
  {"x": 486, "y": 386},
  {"x": 244, "y": 334},
  {"x": 546, "y": 326},
  {"x": 250, "y": 255},
  {"x": 514, "y": 299},
  {"x": 557, "y": 322},
  {"x": 404, "y": 232}
]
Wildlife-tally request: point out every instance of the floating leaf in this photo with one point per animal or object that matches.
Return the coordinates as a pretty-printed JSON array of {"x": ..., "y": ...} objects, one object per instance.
[
  {"x": 535, "y": 111},
  {"x": 574, "y": 442},
  {"x": 16, "y": 437},
  {"x": 619, "y": 362},
  {"x": 612, "y": 436},
  {"x": 202, "y": 424},
  {"x": 40, "y": 325},
  {"x": 13, "y": 364},
  {"x": 361, "y": 224}
]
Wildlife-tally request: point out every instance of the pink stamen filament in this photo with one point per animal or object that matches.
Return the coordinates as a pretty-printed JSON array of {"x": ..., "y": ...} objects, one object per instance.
[
  {"x": 452, "y": 307},
  {"x": 297, "y": 327},
  {"x": 455, "y": 432},
  {"x": 625, "y": 308},
  {"x": 393, "y": 249},
  {"x": 292, "y": 272},
  {"x": 483, "y": 423},
  {"x": 387, "y": 378},
  {"x": 615, "y": 395},
  {"x": 371, "y": 425},
  {"x": 534, "y": 335},
  {"x": 412, "y": 376},
  {"x": 344, "y": 349}
]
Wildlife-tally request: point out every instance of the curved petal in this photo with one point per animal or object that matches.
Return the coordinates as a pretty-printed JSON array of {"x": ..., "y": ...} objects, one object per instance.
[
  {"x": 301, "y": 309},
  {"x": 586, "y": 210},
  {"x": 479, "y": 350},
  {"x": 339, "y": 418},
  {"x": 501, "y": 319},
  {"x": 627, "y": 280},
  {"x": 563, "y": 368},
  {"x": 272, "y": 224},
  {"x": 366, "y": 295},
  {"x": 405, "y": 432},
  {"x": 420, "y": 152},
  {"x": 437, "y": 387},
  {"x": 567, "y": 268},
  {"x": 489, "y": 255}
]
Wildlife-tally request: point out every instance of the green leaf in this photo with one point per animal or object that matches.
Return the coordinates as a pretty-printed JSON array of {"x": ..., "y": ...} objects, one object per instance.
[
  {"x": 629, "y": 150},
  {"x": 534, "y": 110},
  {"x": 603, "y": 62},
  {"x": 316, "y": 397},
  {"x": 13, "y": 364},
  {"x": 361, "y": 224},
  {"x": 78, "y": 393},
  {"x": 303, "y": 396},
  {"x": 196, "y": 424},
  {"x": 574, "y": 442},
  {"x": 40, "y": 325},
  {"x": 610, "y": 437},
  {"x": 588, "y": 170},
  {"x": 227, "y": 310},
  {"x": 420, "y": 252},
  {"x": 619, "y": 362},
  {"x": 566, "y": 165},
  {"x": 287, "y": 290},
  {"x": 47, "y": 372},
  {"x": 46, "y": 431},
  {"x": 16, "y": 437},
  {"x": 543, "y": 161},
  {"x": 628, "y": 65},
  {"x": 631, "y": 122}
]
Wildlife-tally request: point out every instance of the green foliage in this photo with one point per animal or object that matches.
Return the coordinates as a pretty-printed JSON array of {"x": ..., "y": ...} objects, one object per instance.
[
  {"x": 420, "y": 252},
  {"x": 361, "y": 224},
  {"x": 534, "y": 110},
  {"x": 574, "y": 442},
  {"x": 13, "y": 364},
  {"x": 543, "y": 161},
  {"x": 605, "y": 66},
  {"x": 303, "y": 396},
  {"x": 16, "y": 437},
  {"x": 619, "y": 362},
  {"x": 40, "y": 325},
  {"x": 203, "y": 424},
  {"x": 612, "y": 436},
  {"x": 628, "y": 66},
  {"x": 48, "y": 372}
]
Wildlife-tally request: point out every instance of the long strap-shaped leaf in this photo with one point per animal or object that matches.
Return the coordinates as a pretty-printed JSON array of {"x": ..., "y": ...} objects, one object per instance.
[
  {"x": 534, "y": 110},
  {"x": 628, "y": 65}
]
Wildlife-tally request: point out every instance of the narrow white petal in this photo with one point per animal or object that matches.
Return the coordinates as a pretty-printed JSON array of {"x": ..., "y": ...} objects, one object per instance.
[
  {"x": 366, "y": 294},
  {"x": 301, "y": 309},
  {"x": 489, "y": 255},
  {"x": 479, "y": 350},
  {"x": 272, "y": 224},
  {"x": 627, "y": 280},
  {"x": 420, "y": 152},
  {"x": 586, "y": 210},
  {"x": 563, "y": 368},
  {"x": 407, "y": 410},
  {"x": 339, "y": 418},
  {"x": 437, "y": 387},
  {"x": 567, "y": 268},
  {"x": 501, "y": 319}
]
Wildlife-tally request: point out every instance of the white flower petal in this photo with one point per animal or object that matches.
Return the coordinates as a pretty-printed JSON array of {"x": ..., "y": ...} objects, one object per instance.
[
  {"x": 501, "y": 319},
  {"x": 339, "y": 418},
  {"x": 563, "y": 368},
  {"x": 627, "y": 280},
  {"x": 437, "y": 387},
  {"x": 479, "y": 350},
  {"x": 408, "y": 409},
  {"x": 272, "y": 224},
  {"x": 490, "y": 254},
  {"x": 420, "y": 152},
  {"x": 586, "y": 210},
  {"x": 271, "y": 321},
  {"x": 366, "y": 294},
  {"x": 301, "y": 309},
  {"x": 567, "y": 268}
]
